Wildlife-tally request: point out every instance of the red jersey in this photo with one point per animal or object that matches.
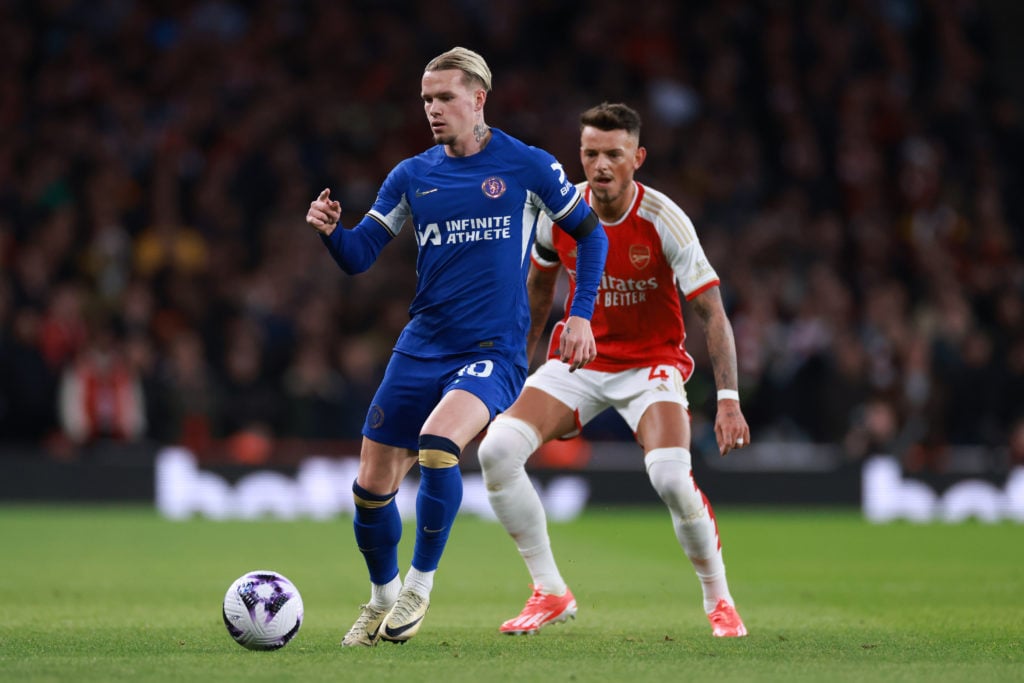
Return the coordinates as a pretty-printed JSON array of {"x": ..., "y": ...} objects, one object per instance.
[{"x": 653, "y": 252}]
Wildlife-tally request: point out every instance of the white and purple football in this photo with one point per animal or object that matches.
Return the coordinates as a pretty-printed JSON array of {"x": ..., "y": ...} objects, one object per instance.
[{"x": 262, "y": 610}]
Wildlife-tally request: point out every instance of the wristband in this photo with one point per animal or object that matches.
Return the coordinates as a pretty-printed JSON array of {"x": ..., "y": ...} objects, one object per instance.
[{"x": 728, "y": 394}]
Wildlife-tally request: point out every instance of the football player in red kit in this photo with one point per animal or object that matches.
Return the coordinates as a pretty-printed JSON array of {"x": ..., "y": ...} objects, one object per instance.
[{"x": 640, "y": 370}]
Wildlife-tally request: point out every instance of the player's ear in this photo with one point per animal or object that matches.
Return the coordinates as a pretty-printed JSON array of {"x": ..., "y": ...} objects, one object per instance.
[
  {"x": 641, "y": 156},
  {"x": 481, "y": 99}
]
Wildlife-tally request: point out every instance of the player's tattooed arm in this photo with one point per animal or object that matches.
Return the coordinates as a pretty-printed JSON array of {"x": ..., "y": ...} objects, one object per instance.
[
  {"x": 731, "y": 429},
  {"x": 720, "y": 340},
  {"x": 540, "y": 286}
]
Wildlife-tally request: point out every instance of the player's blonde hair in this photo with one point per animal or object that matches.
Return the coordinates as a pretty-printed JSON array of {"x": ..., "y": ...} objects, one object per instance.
[{"x": 471, "y": 64}]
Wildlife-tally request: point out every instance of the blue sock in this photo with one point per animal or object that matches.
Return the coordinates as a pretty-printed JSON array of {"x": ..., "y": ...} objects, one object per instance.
[
  {"x": 378, "y": 528},
  {"x": 437, "y": 501}
]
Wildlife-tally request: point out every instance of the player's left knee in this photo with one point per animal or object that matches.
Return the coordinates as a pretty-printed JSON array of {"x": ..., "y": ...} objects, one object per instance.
[
  {"x": 438, "y": 452},
  {"x": 505, "y": 449},
  {"x": 672, "y": 478}
]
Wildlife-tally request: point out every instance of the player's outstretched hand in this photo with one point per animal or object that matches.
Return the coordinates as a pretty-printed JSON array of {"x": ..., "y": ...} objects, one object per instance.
[
  {"x": 731, "y": 430},
  {"x": 577, "y": 344},
  {"x": 324, "y": 213}
]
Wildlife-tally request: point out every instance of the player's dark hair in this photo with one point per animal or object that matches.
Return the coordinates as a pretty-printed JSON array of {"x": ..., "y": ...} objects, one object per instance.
[{"x": 612, "y": 116}]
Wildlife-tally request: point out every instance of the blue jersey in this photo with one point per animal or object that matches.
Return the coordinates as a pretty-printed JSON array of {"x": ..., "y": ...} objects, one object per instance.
[{"x": 473, "y": 219}]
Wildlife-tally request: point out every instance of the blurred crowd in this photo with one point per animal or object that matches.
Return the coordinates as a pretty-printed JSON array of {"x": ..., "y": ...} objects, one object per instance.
[{"x": 853, "y": 170}]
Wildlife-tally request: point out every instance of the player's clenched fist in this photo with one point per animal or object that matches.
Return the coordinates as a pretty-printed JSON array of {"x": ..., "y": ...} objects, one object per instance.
[{"x": 324, "y": 212}]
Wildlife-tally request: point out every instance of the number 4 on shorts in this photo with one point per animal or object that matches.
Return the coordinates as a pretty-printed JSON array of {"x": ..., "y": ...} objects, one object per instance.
[{"x": 658, "y": 372}]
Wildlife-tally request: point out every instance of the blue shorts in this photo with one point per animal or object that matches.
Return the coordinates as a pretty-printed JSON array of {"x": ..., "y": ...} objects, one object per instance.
[{"x": 412, "y": 388}]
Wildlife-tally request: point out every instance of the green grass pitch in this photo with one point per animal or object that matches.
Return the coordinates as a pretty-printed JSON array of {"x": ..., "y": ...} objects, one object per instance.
[{"x": 119, "y": 594}]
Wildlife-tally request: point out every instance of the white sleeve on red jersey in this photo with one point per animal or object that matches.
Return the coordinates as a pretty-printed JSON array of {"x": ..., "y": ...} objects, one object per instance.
[
  {"x": 545, "y": 241},
  {"x": 679, "y": 243}
]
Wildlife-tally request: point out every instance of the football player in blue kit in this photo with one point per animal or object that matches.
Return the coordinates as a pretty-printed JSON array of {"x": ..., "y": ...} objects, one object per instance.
[{"x": 473, "y": 200}]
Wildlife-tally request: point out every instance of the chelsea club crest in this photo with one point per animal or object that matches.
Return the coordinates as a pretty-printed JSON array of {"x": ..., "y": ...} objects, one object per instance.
[{"x": 493, "y": 187}]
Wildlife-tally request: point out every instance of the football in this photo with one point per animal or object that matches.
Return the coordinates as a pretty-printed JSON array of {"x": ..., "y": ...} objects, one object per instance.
[{"x": 262, "y": 610}]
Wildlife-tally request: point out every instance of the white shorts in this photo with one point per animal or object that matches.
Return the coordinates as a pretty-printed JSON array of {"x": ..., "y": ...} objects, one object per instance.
[{"x": 588, "y": 393}]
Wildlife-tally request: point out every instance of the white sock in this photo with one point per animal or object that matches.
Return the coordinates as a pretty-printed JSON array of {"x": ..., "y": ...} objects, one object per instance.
[
  {"x": 419, "y": 582},
  {"x": 540, "y": 562},
  {"x": 384, "y": 597},
  {"x": 692, "y": 519},
  {"x": 503, "y": 454},
  {"x": 712, "y": 580}
]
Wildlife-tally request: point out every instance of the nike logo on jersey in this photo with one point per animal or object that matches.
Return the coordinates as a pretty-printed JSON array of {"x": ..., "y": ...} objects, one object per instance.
[{"x": 423, "y": 193}]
